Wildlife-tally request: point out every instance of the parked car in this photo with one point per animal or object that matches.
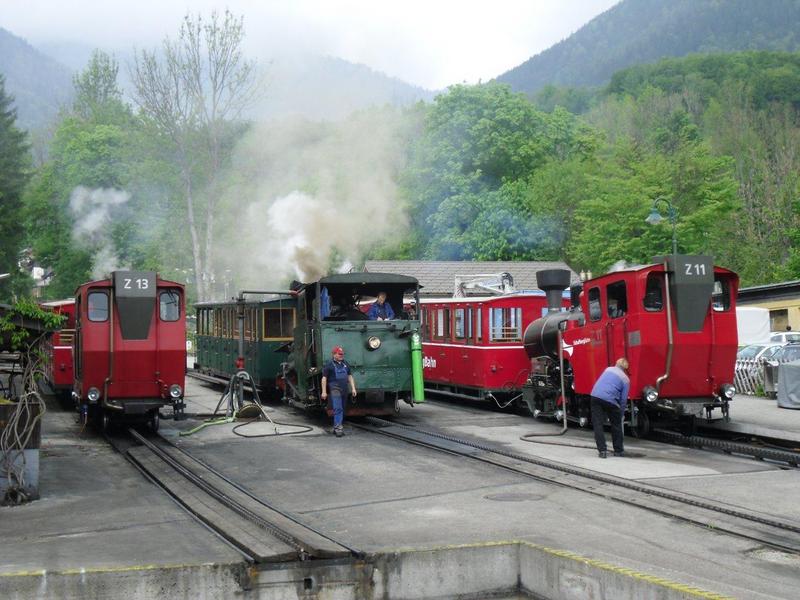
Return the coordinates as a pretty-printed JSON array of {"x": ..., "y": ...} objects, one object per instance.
[
  {"x": 784, "y": 337},
  {"x": 788, "y": 353},
  {"x": 759, "y": 351}
]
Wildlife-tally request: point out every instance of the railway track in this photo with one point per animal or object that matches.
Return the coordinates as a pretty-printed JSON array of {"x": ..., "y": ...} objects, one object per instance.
[
  {"x": 262, "y": 532},
  {"x": 759, "y": 448},
  {"x": 742, "y": 522}
]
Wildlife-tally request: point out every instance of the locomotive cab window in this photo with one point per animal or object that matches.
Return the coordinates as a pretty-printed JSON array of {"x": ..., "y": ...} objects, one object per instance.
[
  {"x": 169, "y": 305},
  {"x": 97, "y": 306},
  {"x": 654, "y": 292},
  {"x": 722, "y": 294},
  {"x": 616, "y": 300},
  {"x": 278, "y": 323},
  {"x": 595, "y": 312}
]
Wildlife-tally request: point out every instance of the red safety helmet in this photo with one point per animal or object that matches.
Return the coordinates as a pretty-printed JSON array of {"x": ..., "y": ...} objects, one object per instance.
[{"x": 337, "y": 350}]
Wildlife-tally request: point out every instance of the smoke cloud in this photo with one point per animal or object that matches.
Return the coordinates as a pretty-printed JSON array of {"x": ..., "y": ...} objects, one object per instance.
[
  {"x": 93, "y": 211},
  {"x": 309, "y": 198}
]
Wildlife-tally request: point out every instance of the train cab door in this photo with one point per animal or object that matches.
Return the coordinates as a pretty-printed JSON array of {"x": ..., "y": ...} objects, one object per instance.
[
  {"x": 462, "y": 367},
  {"x": 616, "y": 320},
  {"x": 594, "y": 353},
  {"x": 441, "y": 336}
]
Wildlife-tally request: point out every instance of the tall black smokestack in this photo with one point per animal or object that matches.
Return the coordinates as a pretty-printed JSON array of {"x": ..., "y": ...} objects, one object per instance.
[{"x": 553, "y": 282}]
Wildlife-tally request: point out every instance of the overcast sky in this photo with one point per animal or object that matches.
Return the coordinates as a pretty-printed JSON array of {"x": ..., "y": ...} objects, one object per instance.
[{"x": 432, "y": 43}]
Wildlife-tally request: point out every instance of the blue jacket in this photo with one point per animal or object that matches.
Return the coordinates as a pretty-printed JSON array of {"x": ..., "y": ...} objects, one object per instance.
[
  {"x": 384, "y": 312},
  {"x": 612, "y": 386}
]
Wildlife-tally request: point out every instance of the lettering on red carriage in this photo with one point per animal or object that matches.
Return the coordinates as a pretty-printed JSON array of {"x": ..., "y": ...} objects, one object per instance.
[{"x": 428, "y": 362}]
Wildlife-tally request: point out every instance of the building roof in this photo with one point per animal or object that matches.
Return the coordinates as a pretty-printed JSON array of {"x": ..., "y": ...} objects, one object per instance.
[
  {"x": 771, "y": 291},
  {"x": 437, "y": 277}
]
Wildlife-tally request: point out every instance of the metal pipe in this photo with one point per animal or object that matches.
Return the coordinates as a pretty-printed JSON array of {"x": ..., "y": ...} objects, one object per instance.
[
  {"x": 110, "y": 376},
  {"x": 670, "y": 341}
]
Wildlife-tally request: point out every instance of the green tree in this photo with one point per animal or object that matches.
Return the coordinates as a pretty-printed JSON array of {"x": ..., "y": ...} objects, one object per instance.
[
  {"x": 14, "y": 173},
  {"x": 93, "y": 148},
  {"x": 478, "y": 144},
  {"x": 192, "y": 93}
]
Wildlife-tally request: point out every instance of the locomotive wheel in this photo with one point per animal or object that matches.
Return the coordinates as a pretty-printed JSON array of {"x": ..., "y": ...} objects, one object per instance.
[
  {"x": 154, "y": 420},
  {"x": 642, "y": 428}
]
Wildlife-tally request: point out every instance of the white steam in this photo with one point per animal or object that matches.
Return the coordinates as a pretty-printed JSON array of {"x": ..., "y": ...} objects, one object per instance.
[
  {"x": 308, "y": 198},
  {"x": 93, "y": 212}
]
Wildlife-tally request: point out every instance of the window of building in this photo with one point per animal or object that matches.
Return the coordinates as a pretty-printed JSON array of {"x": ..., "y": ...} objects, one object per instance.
[
  {"x": 169, "y": 305},
  {"x": 616, "y": 300},
  {"x": 97, "y": 306},
  {"x": 278, "y": 323},
  {"x": 505, "y": 324},
  {"x": 595, "y": 311},
  {"x": 654, "y": 292}
]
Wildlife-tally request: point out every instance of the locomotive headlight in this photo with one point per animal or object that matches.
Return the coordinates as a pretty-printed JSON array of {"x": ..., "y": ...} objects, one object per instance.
[
  {"x": 727, "y": 390},
  {"x": 650, "y": 394},
  {"x": 373, "y": 343},
  {"x": 93, "y": 394},
  {"x": 175, "y": 391}
]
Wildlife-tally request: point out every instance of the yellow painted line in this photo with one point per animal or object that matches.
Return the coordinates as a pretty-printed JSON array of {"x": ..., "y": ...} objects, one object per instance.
[
  {"x": 565, "y": 554},
  {"x": 597, "y": 564},
  {"x": 101, "y": 570}
]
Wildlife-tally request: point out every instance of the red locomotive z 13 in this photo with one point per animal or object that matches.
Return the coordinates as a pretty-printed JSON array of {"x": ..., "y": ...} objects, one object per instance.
[
  {"x": 675, "y": 322},
  {"x": 130, "y": 347}
]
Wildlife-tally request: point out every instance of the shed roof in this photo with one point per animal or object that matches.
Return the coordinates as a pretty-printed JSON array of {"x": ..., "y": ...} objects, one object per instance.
[{"x": 437, "y": 277}]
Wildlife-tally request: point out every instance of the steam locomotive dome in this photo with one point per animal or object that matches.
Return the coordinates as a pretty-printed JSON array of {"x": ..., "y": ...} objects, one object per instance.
[{"x": 541, "y": 336}]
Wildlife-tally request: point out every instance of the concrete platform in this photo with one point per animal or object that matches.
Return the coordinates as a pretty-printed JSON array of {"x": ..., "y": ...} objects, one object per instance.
[
  {"x": 755, "y": 415},
  {"x": 431, "y": 524},
  {"x": 98, "y": 516}
]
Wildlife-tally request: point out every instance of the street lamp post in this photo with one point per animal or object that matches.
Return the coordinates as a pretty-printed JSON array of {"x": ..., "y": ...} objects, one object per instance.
[{"x": 672, "y": 214}]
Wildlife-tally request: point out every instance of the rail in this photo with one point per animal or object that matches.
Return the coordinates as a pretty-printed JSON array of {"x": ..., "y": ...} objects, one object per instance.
[{"x": 693, "y": 509}]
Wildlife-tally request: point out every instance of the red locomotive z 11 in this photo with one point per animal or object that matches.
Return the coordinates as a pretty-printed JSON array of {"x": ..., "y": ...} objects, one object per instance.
[
  {"x": 675, "y": 322},
  {"x": 130, "y": 347}
]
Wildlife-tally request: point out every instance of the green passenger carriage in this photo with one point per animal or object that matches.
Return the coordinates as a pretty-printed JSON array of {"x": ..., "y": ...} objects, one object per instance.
[
  {"x": 286, "y": 340},
  {"x": 385, "y": 356},
  {"x": 267, "y": 328}
]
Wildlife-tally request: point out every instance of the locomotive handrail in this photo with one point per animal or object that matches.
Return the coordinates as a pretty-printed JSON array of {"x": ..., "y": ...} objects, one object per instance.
[{"x": 670, "y": 341}]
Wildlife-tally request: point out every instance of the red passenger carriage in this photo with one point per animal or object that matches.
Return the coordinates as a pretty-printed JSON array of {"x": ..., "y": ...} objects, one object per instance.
[
  {"x": 130, "y": 346},
  {"x": 58, "y": 349},
  {"x": 473, "y": 348},
  {"x": 680, "y": 344}
]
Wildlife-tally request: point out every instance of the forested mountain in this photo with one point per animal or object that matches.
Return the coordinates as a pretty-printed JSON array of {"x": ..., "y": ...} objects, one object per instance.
[
  {"x": 642, "y": 31},
  {"x": 38, "y": 84},
  {"x": 325, "y": 87}
]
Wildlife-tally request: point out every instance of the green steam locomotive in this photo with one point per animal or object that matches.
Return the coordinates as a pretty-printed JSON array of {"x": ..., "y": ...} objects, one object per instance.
[{"x": 284, "y": 342}]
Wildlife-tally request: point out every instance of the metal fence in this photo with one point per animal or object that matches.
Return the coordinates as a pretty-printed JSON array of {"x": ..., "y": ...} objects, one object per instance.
[
  {"x": 758, "y": 377},
  {"x": 749, "y": 376}
]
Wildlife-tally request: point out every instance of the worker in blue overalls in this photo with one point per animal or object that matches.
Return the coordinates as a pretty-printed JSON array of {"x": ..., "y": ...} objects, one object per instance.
[{"x": 336, "y": 375}]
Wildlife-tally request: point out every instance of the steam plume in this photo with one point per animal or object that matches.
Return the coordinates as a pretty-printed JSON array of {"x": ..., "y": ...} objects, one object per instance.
[{"x": 93, "y": 211}]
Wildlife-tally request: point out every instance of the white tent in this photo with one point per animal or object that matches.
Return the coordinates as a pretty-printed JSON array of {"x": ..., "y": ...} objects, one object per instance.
[{"x": 752, "y": 324}]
